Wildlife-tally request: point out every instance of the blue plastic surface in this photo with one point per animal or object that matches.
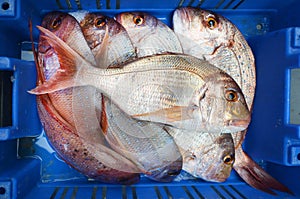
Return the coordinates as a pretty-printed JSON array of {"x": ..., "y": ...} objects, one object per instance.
[
  {"x": 24, "y": 114},
  {"x": 29, "y": 168}
]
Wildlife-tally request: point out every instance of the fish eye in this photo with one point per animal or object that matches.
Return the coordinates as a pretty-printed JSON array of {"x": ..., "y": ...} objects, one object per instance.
[
  {"x": 228, "y": 159},
  {"x": 56, "y": 22},
  {"x": 231, "y": 96},
  {"x": 100, "y": 22},
  {"x": 211, "y": 23},
  {"x": 138, "y": 20}
]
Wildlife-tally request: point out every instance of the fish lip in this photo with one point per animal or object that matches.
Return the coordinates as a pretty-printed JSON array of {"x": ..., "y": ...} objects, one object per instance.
[{"x": 238, "y": 123}]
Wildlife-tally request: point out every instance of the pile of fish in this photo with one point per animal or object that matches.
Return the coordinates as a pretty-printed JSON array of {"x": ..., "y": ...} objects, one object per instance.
[{"x": 124, "y": 96}]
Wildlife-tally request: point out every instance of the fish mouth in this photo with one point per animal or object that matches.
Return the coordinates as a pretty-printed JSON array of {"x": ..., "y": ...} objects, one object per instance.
[{"x": 238, "y": 123}]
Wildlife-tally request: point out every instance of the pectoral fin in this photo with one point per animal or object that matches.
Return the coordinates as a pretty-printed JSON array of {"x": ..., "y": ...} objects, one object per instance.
[{"x": 172, "y": 114}]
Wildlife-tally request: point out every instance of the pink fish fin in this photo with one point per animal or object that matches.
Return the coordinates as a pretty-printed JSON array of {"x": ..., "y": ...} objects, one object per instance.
[
  {"x": 172, "y": 114},
  {"x": 101, "y": 56},
  {"x": 255, "y": 176},
  {"x": 68, "y": 59},
  {"x": 58, "y": 82}
]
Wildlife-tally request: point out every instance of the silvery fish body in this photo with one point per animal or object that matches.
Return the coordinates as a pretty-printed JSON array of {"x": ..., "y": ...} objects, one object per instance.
[
  {"x": 56, "y": 112},
  {"x": 146, "y": 144},
  {"x": 210, "y": 36},
  {"x": 169, "y": 89},
  {"x": 206, "y": 155}
]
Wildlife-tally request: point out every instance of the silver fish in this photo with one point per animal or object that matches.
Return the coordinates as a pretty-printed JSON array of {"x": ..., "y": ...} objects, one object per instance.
[
  {"x": 146, "y": 144},
  {"x": 108, "y": 40},
  {"x": 205, "y": 155},
  {"x": 148, "y": 34},
  {"x": 207, "y": 35},
  {"x": 67, "y": 28},
  {"x": 210, "y": 36},
  {"x": 170, "y": 89},
  {"x": 143, "y": 142}
]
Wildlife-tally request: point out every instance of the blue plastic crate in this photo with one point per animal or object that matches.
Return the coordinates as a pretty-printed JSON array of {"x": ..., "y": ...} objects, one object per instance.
[{"x": 29, "y": 168}]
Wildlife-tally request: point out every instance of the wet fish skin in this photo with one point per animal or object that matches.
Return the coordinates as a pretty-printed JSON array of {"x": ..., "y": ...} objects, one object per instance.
[
  {"x": 73, "y": 150},
  {"x": 108, "y": 40},
  {"x": 60, "y": 23},
  {"x": 205, "y": 155},
  {"x": 191, "y": 74},
  {"x": 143, "y": 142},
  {"x": 63, "y": 100},
  {"x": 224, "y": 46},
  {"x": 160, "y": 158},
  {"x": 210, "y": 36},
  {"x": 148, "y": 34}
]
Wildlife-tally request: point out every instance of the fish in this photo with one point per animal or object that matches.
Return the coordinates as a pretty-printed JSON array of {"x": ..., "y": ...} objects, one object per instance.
[
  {"x": 108, "y": 40},
  {"x": 75, "y": 151},
  {"x": 60, "y": 23},
  {"x": 205, "y": 155},
  {"x": 84, "y": 151},
  {"x": 142, "y": 142},
  {"x": 148, "y": 34},
  {"x": 210, "y": 36},
  {"x": 170, "y": 89}
]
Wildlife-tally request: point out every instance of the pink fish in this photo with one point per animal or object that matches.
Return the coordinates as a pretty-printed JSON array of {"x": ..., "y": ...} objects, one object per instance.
[
  {"x": 83, "y": 151},
  {"x": 210, "y": 36}
]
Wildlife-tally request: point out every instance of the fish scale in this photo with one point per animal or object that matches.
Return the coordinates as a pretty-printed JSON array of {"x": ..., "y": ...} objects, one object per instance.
[
  {"x": 204, "y": 154},
  {"x": 223, "y": 45},
  {"x": 200, "y": 70},
  {"x": 109, "y": 42},
  {"x": 57, "y": 115},
  {"x": 180, "y": 67},
  {"x": 147, "y": 144}
]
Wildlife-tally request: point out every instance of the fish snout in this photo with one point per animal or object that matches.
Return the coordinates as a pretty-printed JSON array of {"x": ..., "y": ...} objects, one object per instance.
[{"x": 238, "y": 115}]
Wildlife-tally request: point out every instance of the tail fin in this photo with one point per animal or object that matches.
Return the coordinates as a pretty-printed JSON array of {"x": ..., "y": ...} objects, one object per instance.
[
  {"x": 68, "y": 59},
  {"x": 255, "y": 176}
]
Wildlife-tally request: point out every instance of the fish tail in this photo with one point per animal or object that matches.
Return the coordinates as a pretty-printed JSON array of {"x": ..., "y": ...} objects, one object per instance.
[
  {"x": 69, "y": 61},
  {"x": 255, "y": 176}
]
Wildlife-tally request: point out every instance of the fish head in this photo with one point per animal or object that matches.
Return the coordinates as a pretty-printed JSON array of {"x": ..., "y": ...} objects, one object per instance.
[
  {"x": 137, "y": 20},
  {"x": 213, "y": 159},
  {"x": 61, "y": 24},
  {"x": 94, "y": 27},
  {"x": 202, "y": 27},
  {"x": 222, "y": 106}
]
